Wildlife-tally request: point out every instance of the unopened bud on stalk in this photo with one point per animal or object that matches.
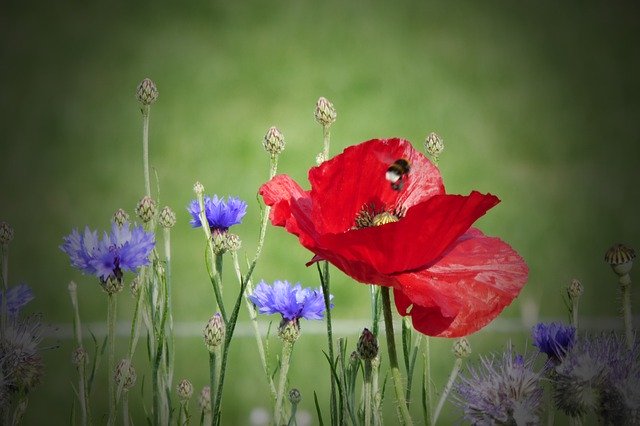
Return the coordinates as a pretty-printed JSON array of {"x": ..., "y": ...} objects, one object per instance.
[
  {"x": 575, "y": 289},
  {"x": 214, "y": 332},
  {"x": 354, "y": 358},
  {"x": 185, "y": 390},
  {"x": 204, "y": 400},
  {"x": 461, "y": 348},
  {"x": 198, "y": 188},
  {"x": 289, "y": 330},
  {"x": 219, "y": 239},
  {"x": 325, "y": 113},
  {"x": 125, "y": 374},
  {"x": 367, "y": 345},
  {"x": 294, "y": 396},
  {"x": 620, "y": 257},
  {"x": 273, "y": 141},
  {"x": 120, "y": 217},
  {"x": 233, "y": 242},
  {"x": 434, "y": 145},
  {"x": 112, "y": 285},
  {"x": 6, "y": 233},
  {"x": 146, "y": 209},
  {"x": 147, "y": 92},
  {"x": 78, "y": 356},
  {"x": 167, "y": 217}
]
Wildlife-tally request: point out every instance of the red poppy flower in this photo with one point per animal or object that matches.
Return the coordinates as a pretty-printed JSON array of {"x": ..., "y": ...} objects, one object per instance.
[{"x": 451, "y": 278}]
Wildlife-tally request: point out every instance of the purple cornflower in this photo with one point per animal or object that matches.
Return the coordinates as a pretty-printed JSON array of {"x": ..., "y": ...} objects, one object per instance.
[
  {"x": 292, "y": 302},
  {"x": 553, "y": 339},
  {"x": 17, "y": 297},
  {"x": 123, "y": 249},
  {"x": 221, "y": 214},
  {"x": 500, "y": 391}
]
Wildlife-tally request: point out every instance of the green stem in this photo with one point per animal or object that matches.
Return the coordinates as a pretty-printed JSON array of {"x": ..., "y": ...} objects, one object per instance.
[
  {"x": 326, "y": 139},
  {"x": 427, "y": 380},
  {"x": 5, "y": 285},
  {"x": 447, "y": 389},
  {"x": 405, "y": 417},
  {"x": 146, "y": 109},
  {"x": 625, "y": 286},
  {"x": 213, "y": 378},
  {"x": 169, "y": 335},
  {"x": 111, "y": 344},
  {"x": 215, "y": 276},
  {"x": 574, "y": 312},
  {"x": 125, "y": 407},
  {"x": 325, "y": 282},
  {"x": 287, "y": 348},
  {"x": 77, "y": 331},
  {"x": 375, "y": 308},
  {"x": 160, "y": 403},
  {"x": 368, "y": 396}
]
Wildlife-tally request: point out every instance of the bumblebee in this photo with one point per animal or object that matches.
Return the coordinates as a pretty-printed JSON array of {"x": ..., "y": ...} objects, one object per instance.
[{"x": 397, "y": 173}]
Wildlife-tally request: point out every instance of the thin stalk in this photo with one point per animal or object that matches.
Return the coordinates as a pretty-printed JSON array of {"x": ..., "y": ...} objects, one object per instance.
[
  {"x": 551, "y": 411},
  {"x": 167, "y": 253},
  {"x": 447, "y": 389},
  {"x": 326, "y": 139},
  {"x": 405, "y": 417},
  {"x": 214, "y": 374},
  {"x": 278, "y": 412},
  {"x": 368, "y": 395},
  {"x": 146, "y": 109},
  {"x": 325, "y": 282},
  {"x": 574, "y": 312},
  {"x": 111, "y": 345},
  {"x": 375, "y": 308},
  {"x": 160, "y": 403},
  {"x": 125, "y": 407},
  {"x": 625, "y": 286},
  {"x": 135, "y": 329},
  {"x": 77, "y": 331},
  {"x": 5, "y": 285},
  {"x": 427, "y": 379},
  {"x": 377, "y": 398}
]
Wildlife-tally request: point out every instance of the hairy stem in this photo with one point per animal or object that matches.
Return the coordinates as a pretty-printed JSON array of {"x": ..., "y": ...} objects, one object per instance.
[{"x": 447, "y": 389}]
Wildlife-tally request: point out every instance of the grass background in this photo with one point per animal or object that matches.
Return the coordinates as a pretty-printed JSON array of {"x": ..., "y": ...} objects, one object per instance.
[{"x": 538, "y": 102}]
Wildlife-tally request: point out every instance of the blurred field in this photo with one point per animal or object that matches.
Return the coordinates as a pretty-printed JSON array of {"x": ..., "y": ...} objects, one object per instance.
[{"x": 537, "y": 103}]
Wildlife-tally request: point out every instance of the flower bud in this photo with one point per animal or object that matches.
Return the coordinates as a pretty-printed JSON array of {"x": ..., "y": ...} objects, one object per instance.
[
  {"x": 112, "y": 285},
  {"x": 354, "y": 358},
  {"x": 214, "y": 332},
  {"x": 273, "y": 141},
  {"x": 135, "y": 285},
  {"x": 78, "y": 356},
  {"x": 232, "y": 242},
  {"x": 294, "y": 396},
  {"x": 204, "y": 400},
  {"x": 434, "y": 145},
  {"x": 167, "y": 217},
  {"x": 125, "y": 375},
  {"x": 367, "y": 345},
  {"x": 146, "y": 209},
  {"x": 6, "y": 233},
  {"x": 219, "y": 239},
  {"x": 575, "y": 289},
  {"x": 289, "y": 330},
  {"x": 198, "y": 189},
  {"x": 461, "y": 348},
  {"x": 147, "y": 92},
  {"x": 620, "y": 257},
  {"x": 120, "y": 217},
  {"x": 185, "y": 390},
  {"x": 325, "y": 113}
]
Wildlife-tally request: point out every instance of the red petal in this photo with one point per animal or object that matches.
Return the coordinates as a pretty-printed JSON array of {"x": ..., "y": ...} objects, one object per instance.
[
  {"x": 417, "y": 240},
  {"x": 466, "y": 289},
  {"x": 343, "y": 185}
]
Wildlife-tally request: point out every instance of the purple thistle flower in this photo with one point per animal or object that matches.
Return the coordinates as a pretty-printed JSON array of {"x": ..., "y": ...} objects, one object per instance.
[
  {"x": 292, "y": 302},
  {"x": 553, "y": 339},
  {"x": 500, "y": 391},
  {"x": 17, "y": 297},
  {"x": 221, "y": 214},
  {"x": 124, "y": 249}
]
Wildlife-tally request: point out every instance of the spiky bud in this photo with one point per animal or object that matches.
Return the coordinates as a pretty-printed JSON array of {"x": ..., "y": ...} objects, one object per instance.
[
  {"x": 434, "y": 145},
  {"x": 233, "y": 242},
  {"x": 367, "y": 345},
  {"x": 120, "y": 217},
  {"x": 204, "y": 400},
  {"x": 620, "y": 257},
  {"x": 575, "y": 289},
  {"x": 125, "y": 374},
  {"x": 167, "y": 217},
  {"x": 214, "y": 332},
  {"x": 146, "y": 209},
  {"x": 289, "y": 330},
  {"x": 219, "y": 239},
  {"x": 112, "y": 285},
  {"x": 78, "y": 356},
  {"x": 461, "y": 348},
  {"x": 325, "y": 113},
  {"x": 273, "y": 141},
  {"x": 135, "y": 285},
  {"x": 295, "y": 396},
  {"x": 6, "y": 233},
  {"x": 354, "y": 358},
  {"x": 185, "y": 390},
  {"x": 147, "y": 92},
  {"x": 198, "y": 189}
]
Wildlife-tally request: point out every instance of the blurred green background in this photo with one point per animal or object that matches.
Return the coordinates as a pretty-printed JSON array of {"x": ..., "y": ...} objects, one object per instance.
[{"x": 537, "y": 102}]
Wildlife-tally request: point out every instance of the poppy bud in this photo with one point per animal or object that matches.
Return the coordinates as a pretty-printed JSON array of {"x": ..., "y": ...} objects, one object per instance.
[
  {"x": 146, "y": 209},
  {"x": 434, "y": 145},
  {"x": 214, "y": 332},
  {"x": 325, "y": 113},
  {"x": 367, "y": 345},
  {"x": 6, "y": 233},
  {"x": 273, "y": 141},
  {"x": 185, "y": 390},
  {"x": 120, "y": 217},
  {"x": 147, "y": 92},
  {"x": 620, "y": 257},
  {"x": 167, "y": 217}
]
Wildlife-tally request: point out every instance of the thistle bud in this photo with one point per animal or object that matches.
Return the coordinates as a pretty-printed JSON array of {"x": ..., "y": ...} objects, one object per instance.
[
  {"x": 125, "y": 375},
  {"x": 214, "y": 332},
  {"x": 167, "y": 217},
  {"x": 575, "y": 289},
  {"x": 294, "y": 396},
  {"x": 120, "y": 217},
  {"x": 289, "y": 330},
  {"x": 620, "y": 257},
  {"x": 233, "y": 242},
  {"x": 198, "y": 189},
  {"x": 273, "y": 141},
  {"x": 78, "y": 356},
  {"x": 185, "y": 390},
  {"x": 146, "y": 209},
  {"x": 204, "y": 400},
  {"x": 434, "y": 145},
  {"x": 461, "y": 348},
  {"x": 219, "y": 239},
  {"x": 112, "y": 285},
  {"x": 325, "y": 113},
  {"x": 367, "y": 345},
  {"x": 147, "y": 92},
  {"x": 6, "y": 233}
]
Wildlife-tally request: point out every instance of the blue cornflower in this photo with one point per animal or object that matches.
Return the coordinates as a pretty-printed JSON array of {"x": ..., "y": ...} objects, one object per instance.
[
  {"x": 17, "y": 297},
  {"x": 501, "y": 391},
  {"x": 292, "y": 302},
  {"x": 553, "y": 339},
  {"x": 221, "y": 214},
  {"x": 124, "y": 249}
]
